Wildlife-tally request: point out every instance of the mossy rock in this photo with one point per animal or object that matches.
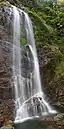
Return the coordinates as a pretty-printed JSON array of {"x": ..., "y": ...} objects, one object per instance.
[{"x": 3, "y": 4}]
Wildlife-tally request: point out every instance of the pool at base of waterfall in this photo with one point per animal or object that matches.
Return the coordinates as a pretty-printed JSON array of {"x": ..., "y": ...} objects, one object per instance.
[{"x": 34, "y": 109}]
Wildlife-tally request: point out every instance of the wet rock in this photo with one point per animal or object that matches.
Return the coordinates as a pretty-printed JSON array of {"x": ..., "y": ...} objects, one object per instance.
[
  {"x": 6, "y": 28},
  {"x": 59, "y": 117},
  {"x": 4, "y": 127},
  {"x": 5, "y": 70}
]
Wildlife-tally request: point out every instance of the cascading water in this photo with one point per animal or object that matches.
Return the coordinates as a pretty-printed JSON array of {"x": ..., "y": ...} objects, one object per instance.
[{"x": 29, "y": 98}]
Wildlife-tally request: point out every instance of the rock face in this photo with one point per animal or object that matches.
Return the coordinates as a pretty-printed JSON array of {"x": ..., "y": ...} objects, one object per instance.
[
  {"x": 53, "y": 84},
  {"x": 6, "y": 28},
  {"x": 49, "y": 58},
  {"x": 6, "y": 91}
]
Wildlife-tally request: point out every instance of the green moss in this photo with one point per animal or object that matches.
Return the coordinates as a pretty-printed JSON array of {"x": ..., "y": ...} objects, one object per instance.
[
  {"x": 60, "y": 69},
  {"x": 23, "y": 42}
]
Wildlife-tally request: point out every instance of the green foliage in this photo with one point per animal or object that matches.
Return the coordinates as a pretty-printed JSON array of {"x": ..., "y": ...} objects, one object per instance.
[
  {"x": 40, "y": 19},
  {"x": 23, "y": 42},
  {"x": 48, "y": 22},
  {"x": 28, "y": 3},
  {"x": 60, "y": 2},
  {"x": 60, "y": 69},
  {"x": 2, "y": 4}
]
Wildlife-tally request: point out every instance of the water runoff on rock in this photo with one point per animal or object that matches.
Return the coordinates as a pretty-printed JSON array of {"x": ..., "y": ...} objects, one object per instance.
[{"x": 30, "y": 100}]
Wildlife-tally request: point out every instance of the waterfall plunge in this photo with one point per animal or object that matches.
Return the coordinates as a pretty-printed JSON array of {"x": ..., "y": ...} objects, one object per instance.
[{"x": 29, "y": 98}]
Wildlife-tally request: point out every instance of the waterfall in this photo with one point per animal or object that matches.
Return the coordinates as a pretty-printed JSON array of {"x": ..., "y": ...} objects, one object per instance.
[{"x": 29, "y": 97}]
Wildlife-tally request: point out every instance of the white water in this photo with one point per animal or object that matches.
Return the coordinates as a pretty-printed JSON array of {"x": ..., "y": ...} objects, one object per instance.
[{"x": 29, "y": 98}]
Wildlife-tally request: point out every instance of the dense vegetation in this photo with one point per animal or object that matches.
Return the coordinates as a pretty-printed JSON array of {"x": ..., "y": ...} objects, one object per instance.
[{"x": 48, "y": 23}]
